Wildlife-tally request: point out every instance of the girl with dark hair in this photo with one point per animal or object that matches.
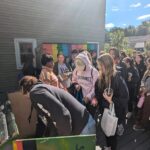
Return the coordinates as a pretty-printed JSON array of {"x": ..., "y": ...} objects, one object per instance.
[
  {"x": 120, "y": 66},
  {"x": 62, "y": 70},
  {"x": 132, "y": 83},
  {"x": 47, "y": 75},
  {"x": 122, "y": 55},
  {"x": 110, "y": 78},
  {"x": 140, "y": 65}
]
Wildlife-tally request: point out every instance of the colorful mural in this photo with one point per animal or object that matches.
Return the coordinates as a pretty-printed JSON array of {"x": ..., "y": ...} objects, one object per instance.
[{"x": 67, "y": 48}]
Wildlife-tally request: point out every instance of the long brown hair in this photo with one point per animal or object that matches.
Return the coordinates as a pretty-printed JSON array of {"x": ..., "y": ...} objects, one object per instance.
[
  {"x": 27, "y": 82},
  {"x": 107, "y": 61}
]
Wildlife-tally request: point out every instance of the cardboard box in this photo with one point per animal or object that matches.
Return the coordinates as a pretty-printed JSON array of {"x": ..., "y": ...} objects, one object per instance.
[{"x": 21, "y": 107}]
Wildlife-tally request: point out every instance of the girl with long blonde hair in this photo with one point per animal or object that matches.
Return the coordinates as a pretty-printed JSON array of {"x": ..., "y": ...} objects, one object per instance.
[{"x": 110, "y": 79}]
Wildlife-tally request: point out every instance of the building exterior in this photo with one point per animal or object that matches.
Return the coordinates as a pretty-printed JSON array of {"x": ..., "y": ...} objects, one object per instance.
[
  {"x": 138, "y": 42},
  {"x": 139, "y": 46},
  {"x": 75, "y": 21}
]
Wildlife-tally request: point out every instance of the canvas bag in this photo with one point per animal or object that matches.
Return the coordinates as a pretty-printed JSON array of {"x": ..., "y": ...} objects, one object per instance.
[{"x": 109, "y": 121}]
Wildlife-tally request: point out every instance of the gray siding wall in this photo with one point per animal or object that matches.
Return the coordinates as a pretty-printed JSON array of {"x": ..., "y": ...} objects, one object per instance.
[{"x": 46, "y": 21}]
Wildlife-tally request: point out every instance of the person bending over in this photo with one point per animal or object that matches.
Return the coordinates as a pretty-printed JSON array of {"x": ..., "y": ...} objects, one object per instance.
[{"x": 60, "y": 112}]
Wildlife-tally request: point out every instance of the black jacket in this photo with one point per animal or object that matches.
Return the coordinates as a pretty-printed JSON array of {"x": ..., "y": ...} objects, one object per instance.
[
  {"x": 134, "y": 79},
  {"x": 141, "y": 69},
  {"x": 70, "y": 116},
  {"x": 122, "y": 69},
  {"x": 120, "y": 97}
]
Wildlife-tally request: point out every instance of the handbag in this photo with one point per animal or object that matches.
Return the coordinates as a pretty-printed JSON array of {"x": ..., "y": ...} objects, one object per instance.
[{"x": 109, "y": 121}]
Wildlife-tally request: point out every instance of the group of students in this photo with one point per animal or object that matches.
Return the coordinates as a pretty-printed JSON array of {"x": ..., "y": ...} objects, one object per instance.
[{"x": 68, "y": 95}]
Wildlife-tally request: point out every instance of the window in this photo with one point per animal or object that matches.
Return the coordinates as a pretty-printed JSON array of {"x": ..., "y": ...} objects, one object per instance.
[{"x": 24, "y": 48}]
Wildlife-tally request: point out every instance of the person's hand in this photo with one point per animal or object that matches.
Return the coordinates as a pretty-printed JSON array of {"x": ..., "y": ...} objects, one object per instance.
[
  {"x": 86, "y": 99},
  {"x": 94, "y": 102},
  {"x": 129, "y": 79},
  {"x": 77, "y": 87},
  {"x": 142, "y": 91},
  {"x": 108, "y": 98}
]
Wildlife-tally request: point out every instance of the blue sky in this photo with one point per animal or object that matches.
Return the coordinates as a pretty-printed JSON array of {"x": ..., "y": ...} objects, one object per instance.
[{"x": 121, "y": 13}]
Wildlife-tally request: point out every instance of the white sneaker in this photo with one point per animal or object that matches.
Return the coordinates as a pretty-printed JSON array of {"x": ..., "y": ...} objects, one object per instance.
[
  {"x": 129, "y": 115},
  {"x": 98, "y": 148}
]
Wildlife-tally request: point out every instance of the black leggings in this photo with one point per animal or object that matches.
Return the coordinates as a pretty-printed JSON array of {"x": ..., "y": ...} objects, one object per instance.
[
  {"x": 112, "y": 142},
  {"x": 40, "y": 128},
  {"x": 132, "y": 98}
]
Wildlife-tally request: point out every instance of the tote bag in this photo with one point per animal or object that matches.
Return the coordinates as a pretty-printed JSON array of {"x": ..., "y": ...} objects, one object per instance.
[{"x": 109, "y": 121}]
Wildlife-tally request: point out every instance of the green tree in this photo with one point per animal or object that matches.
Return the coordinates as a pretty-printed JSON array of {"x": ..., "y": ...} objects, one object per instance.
[
  {"x": 130, "y": 31},
  {"x": 118, "y": 39},
  {"x": 146, "y": 23},
  {"x": 142, "y": 30},
  {"x": 106, "y": 47}
]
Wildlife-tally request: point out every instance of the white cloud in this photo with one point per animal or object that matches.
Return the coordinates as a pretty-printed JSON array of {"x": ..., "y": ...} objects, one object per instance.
[
  {"x": 124, "y": 24},
  {"x": 143, "y": 17},
  {"x": 109, "y": 25},
  {"x": 147, "y": 6},
  {"x": 135, "y": 5},
  {"x": 115, "y": 9}
]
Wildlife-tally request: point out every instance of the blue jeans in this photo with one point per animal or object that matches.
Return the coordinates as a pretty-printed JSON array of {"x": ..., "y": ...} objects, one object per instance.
[{"x": 90, "y": 127}]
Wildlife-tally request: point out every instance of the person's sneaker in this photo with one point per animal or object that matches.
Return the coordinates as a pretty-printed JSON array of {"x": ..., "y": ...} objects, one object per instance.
[
  {"x": 98, "y": 148},
  {"x": 129, "y": 115},
  {"x": 138, "y": 128}
]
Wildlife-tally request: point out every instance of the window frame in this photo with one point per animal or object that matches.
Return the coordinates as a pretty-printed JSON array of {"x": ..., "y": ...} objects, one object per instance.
[{"x": 17, "y": 49}]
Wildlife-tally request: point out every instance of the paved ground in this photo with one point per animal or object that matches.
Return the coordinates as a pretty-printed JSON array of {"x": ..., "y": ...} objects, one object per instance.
[{"x": 132, "y": 140}]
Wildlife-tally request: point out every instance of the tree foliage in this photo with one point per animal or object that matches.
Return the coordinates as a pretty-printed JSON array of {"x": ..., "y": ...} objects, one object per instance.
[
  {"x": 140, "y": 30},
  {"x": 117, "y": 36},
  {"x": 117, "y": 39}
]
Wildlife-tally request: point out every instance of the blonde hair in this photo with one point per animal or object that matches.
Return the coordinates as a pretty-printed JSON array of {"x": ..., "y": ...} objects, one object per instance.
[{"x": 107, "y": 61}]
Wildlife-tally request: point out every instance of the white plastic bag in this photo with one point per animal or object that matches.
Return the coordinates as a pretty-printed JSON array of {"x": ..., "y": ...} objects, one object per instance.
[{"x": 109, "y": 121}]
